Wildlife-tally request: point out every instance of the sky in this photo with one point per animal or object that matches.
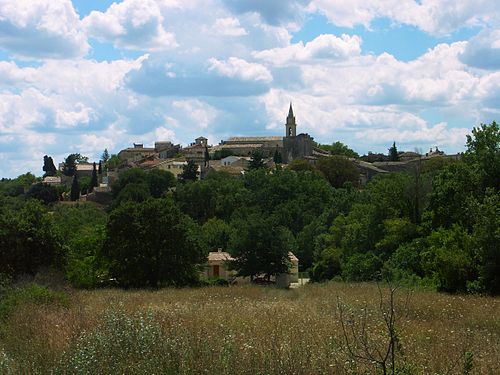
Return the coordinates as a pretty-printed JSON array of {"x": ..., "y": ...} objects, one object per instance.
[{"x": 85, "y": 75}]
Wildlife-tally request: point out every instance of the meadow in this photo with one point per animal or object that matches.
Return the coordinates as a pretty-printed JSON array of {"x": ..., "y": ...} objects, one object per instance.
[{"x": 316, "y": 329}]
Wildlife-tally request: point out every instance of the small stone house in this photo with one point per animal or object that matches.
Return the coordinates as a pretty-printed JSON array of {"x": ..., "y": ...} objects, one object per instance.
[{"x": 216, "y": 267}]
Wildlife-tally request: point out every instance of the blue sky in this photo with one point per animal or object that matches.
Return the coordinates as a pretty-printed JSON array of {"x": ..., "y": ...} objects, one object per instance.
[{"x": 84, "y": 75}]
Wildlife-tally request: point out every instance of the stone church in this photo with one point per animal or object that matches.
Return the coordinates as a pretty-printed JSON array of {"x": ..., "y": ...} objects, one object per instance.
[{"x": 291, "y": 146}]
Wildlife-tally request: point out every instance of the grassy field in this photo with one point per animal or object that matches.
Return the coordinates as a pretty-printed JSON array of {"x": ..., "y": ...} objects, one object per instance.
[{"x": 251, "y": 330}]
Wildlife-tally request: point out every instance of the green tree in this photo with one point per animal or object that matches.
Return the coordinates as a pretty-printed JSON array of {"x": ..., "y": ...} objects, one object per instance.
[
  {"x": 338, "y": 148},
  {"x": 300, "y": 165},
  {"x": 260, "y": 246},
  {"x": 483, "y": 151},
  {"x": 105, "y": 156},
  {"x": 159, "y": 182},
  {"x": 69, "y": 165},
  {"x": 93, "y": 180},
  {"x": 84, "y": 183},
  {"x": 48, "y": 166},
  {"x": 448, "y": 259},
  {"x": 130, "y": 176},
  {"x": 218, "y": 195},
  {"x": 362, "y": 267},
  {"x": 27, "y": 240},
  {"x": 113, "y": 162},
  {"x": 43, "y": 192},
  {"x": 393, "y": 152},
  {"x": 17, "y": 186},
  {"x": 256, "y": 161},
  {"x": 338, "y": 170},
  {"x": 216, "y": 234},
  {"x": 486, "y": 237},
  {"x": 75, "y": 189},
  {"x": 277, "y": 157},
  {"x": 189, "y": 172},
  {"x": 152, "y": 244}
]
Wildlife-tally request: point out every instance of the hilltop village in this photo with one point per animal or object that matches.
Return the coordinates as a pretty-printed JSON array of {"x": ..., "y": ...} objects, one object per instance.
[{"x": 234, "y": 155}]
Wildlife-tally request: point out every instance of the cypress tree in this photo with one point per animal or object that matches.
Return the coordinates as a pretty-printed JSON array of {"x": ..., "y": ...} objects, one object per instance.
[
  {"x": 75, "y": 189},
  {"x": 393, "y": 153},
  {"x": 93, "y": 180}
]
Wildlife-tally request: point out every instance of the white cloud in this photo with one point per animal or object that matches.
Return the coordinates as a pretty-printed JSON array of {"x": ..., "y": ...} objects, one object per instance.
[
  {"x": 432, "y": 16},
  {"x": 325, "y": 46},
  {"x": 200, "y": 113},
  {"x": 41, "y": 29},
  {"x": 483, "y": 51},
  {"x": 239, "y": 68},
  {"x": 228, "y": 26},
  {"x": 273, "y": 12},
  {"x": 131, "y": 24},
  {"x": 439, "y": 134}
]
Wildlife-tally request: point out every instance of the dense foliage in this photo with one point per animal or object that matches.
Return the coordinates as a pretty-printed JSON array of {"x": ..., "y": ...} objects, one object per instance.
[{"x": 437, "y": 225}]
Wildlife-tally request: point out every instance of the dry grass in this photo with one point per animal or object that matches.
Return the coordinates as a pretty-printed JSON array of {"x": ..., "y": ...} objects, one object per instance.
[{"x": 246, "y": 330}]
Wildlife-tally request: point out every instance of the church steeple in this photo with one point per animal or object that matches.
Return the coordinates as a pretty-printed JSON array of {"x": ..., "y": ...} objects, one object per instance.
[{"x": 291, "y": 126}]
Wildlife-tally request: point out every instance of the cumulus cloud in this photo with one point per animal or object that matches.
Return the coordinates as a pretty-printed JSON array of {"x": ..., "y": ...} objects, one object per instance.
[
  {"x": 433, "y": 16},
  {"x": 201, "y": 113},
  {"x": 228, "y": 26},
  {"x": 41, "y": 29},
  {"x": 483, "y": 51},
  {"x": 218, "y": 78},
  {"x": 131, "y": 24},
  {"x": 273, "y": 12},
  {"x": 239, "y": 68},
  {"x": 325, "y": 46}
]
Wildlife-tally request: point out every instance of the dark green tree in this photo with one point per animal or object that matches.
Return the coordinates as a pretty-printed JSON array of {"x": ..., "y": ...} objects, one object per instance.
[
  {"x": 260, "y": 247},
  {"x": 256, "y": 161},
  {"x": 338, "y": 170},
  {"x": 93, "y": 180},
  {"x": 300, "y": 165},
  {"x": 113, "y": 162},
  {"x": 27, "y": 240},
  {"x": 277, "y": 157},
  {"x": 48, "y": 166},
  {"x": 483, "y": 152},
  {"x": 75, "y": 189},
  {"x": 159, "y": 182},
  {"x": 189, "y": 172},
  {"x": 99, "y": 169},
  {"x": 338, "y": 148},
  {"x": 69, "y": 165},
  {"x": 43, "y": 192},
  {"x": 105, "y": 156},
  {"x": 152, "y": 244},
  {"x": 393, "y": 153},
  {"x": 218, "y": 195}
]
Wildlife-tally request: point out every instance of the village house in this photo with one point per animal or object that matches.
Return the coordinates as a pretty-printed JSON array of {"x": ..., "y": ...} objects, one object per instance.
[{"x": 216, "y": 266}]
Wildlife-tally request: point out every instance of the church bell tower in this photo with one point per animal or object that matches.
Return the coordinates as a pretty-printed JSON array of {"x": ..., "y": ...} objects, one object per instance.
[{"x": 291, "y": 126}]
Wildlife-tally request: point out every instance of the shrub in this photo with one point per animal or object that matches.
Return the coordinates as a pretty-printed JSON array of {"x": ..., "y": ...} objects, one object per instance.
[
  {"x": 121, "y": 344},
  {"x": 32, "y": 293},
  {"x": 362, "y": 267}
]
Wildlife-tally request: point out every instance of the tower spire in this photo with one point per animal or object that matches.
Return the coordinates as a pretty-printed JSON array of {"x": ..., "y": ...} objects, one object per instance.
[{"x": 291, "y": 126}]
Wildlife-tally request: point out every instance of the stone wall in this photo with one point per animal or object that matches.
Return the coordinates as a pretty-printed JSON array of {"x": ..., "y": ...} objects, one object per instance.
[{"x": 297, "y": 147}]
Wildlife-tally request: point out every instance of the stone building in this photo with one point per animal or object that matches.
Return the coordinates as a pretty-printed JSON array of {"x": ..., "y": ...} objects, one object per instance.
[{"x": 291, "y": 146}]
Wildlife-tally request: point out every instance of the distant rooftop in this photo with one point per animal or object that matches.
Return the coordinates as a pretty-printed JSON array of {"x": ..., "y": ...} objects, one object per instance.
[{"x": 254, "y": 139}]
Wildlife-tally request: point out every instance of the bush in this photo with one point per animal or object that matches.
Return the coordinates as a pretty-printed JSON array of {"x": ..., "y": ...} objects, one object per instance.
[
  {"x": 362, "y": 267},
  {"x": 121, "y": 344},
  {"x": 32, "y": 293}
]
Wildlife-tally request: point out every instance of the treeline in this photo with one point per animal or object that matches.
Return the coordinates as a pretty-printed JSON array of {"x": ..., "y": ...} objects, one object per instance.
[{"x": 438, "y": 225}]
